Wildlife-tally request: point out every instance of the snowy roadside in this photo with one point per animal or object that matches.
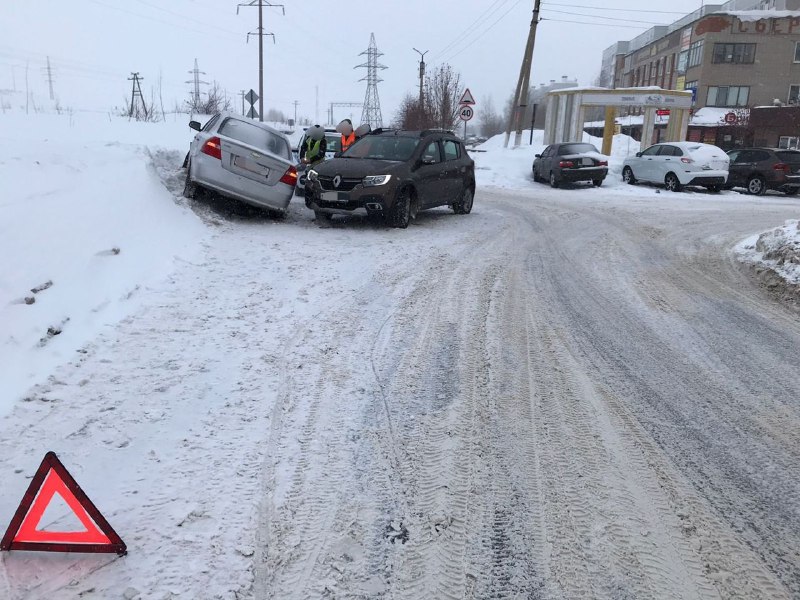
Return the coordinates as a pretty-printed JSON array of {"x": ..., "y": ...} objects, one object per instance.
[
  {"x": 775, "y": 254},
  {"x": 85, "y": 226}
]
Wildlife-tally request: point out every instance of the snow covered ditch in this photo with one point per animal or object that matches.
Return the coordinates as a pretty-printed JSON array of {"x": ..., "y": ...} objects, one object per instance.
[
  {"x": 85, "y": 224},
  {"x": 776, "y": 255}
]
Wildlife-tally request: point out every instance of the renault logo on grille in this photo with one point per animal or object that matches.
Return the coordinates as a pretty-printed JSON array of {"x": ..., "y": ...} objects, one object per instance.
[{"x": 337, "y": 181}]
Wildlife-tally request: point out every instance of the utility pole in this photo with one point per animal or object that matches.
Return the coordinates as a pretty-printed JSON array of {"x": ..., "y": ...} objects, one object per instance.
[
  {"x": 136, "y": 91},
  {"x": 523, "y": 83},
  {"x": 242, "y": 94},
  {"x": 295, "y": 112},
  {"x": 260, "y": 33},
  {"x": 50, "y": 78},
  {"x": 421, "y": 79}
]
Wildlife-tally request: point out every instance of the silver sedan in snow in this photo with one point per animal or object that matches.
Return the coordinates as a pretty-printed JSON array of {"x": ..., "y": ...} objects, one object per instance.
[{"x": 241, "y": 159}]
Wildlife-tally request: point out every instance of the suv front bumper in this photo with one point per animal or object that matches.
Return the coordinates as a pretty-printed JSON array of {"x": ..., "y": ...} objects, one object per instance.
[{"x": 359, "y": 200}]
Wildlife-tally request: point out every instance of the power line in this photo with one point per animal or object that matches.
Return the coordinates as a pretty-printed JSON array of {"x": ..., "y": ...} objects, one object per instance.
[
  {"x": 472, "y": 26},
  {"x": 603, "y": 8},
  {"x": 600, "y": 24},
  {"x": 578, "y": 14},
  {"x": 481, "y": 34}
]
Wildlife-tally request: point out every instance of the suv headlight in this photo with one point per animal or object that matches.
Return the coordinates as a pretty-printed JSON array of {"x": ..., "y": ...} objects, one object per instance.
[
  {"x": 373, "y": 180},
  {"x": 312, "y": 175}
]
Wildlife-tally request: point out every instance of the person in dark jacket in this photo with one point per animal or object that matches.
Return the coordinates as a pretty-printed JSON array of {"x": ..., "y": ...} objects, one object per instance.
[{"x": 313, "y": 149}]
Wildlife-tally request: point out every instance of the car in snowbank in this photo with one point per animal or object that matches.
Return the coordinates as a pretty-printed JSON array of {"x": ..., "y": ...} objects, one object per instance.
[
  {"x": 394, "y": 174},
  {"x": 678, "y": 164},
  {"x": 571, "y": 162},
  {"x": 241, "y": 159}
]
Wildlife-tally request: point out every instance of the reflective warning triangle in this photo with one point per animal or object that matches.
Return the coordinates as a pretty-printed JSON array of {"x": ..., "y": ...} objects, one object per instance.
[
  {"x": 24, "y": 532},
  {"x": 467, "y": 98}
]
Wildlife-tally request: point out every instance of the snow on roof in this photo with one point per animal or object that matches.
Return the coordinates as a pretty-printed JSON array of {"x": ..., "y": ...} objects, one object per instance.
[{"x": 758, "y": 15}]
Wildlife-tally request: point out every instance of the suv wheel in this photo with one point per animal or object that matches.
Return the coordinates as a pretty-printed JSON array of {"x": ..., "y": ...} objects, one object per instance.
[
  {"x": 627, "y": 176},
  {"x": 672, "y": 183},
  {"x": 400, "y": 214},
  {"x": 757, "y": 185},
  {"x": 464, "y": 205}
]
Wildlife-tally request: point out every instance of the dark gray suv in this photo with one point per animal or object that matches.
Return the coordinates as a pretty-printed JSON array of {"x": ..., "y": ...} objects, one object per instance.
[
  {"x": 394, "y": 174},
  {"x": 760, "y": 169}
]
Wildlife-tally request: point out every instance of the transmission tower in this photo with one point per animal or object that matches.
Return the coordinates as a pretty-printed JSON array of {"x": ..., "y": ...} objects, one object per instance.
[
  {"x": 195, "y": 81},
  {"x": 372, "y": 104},
  {"x": 136, "y": 92}
]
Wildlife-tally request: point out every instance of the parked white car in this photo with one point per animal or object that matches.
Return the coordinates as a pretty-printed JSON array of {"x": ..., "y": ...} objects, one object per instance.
[{"x": 676, "y": 164}]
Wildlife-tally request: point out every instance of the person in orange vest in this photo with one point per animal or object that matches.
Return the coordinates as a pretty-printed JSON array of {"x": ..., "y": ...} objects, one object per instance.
[{"x": 348, "y": 135}]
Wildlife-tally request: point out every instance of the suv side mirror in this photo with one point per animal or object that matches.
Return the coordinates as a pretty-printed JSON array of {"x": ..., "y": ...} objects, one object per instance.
[
  {"x": 194, "y": 125},
  {"x": 537, "y": 156},
  {"x": 638, "y": 155}
]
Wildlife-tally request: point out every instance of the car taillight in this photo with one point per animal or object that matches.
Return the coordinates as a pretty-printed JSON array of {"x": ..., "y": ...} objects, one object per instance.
[
  {"x": 688, "y": 161},
  {"x": 602, "y": 163},
  {"x": 290, "y": 177},
  {"x": 782, "y": 167},
  {"x": 566, "y": 164},
  {"x": 213, "y": 147}
]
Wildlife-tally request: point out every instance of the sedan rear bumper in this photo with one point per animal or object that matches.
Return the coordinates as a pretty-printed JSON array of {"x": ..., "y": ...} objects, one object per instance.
[
  {"x": 211, "y": 175},
  {"x": 584, "y": 174}
]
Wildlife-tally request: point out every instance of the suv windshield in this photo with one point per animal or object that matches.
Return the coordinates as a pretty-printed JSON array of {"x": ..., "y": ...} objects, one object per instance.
[{"x": 399, "y": 148}]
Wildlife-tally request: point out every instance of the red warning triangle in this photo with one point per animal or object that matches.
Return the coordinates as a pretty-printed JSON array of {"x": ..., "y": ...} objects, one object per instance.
[{"x": 24, "y": 532}]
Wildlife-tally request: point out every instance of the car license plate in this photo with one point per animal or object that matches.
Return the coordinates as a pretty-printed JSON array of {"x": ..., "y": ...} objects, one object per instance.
[
  {"x": 587, "y": 162},
  {"x": 248, "y": 165},
  {"x": 335, "y": 196}
]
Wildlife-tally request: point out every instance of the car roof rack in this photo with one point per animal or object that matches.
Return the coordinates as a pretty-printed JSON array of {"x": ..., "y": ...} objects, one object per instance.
[
  {"x": 380, "y": 130},
  {"x": 436, "y": 130}
]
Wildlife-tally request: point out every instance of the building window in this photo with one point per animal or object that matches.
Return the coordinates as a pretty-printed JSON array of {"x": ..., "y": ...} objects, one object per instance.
[
  {"x": 789, "y": 142},
  {"x": 690, "y": 85},
  {"x": 736, "y": 53},
  {"x": 797, "y": 52},
  {"x": 728, "y": 96},
  {"x": 794, "y": 94},
  {"x": 695, "y": 54}
]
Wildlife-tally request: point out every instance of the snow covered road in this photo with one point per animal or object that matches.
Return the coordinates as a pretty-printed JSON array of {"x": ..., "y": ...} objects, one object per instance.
[{"x": 566, "y": 394}]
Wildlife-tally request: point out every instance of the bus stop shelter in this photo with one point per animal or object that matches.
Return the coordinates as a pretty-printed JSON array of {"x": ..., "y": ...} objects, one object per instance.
[{"x": 566, "y": 112}]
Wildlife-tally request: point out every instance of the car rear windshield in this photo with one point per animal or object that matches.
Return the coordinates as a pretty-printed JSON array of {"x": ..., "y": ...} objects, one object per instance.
[
  {"x": 255, "y": 136},
  {"x": 399, "y": 148},
  {"x": 576, "y": 149},
  {"x": 789, "y": 157}
]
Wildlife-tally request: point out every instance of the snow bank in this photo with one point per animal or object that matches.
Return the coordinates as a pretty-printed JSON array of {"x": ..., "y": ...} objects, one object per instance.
[
  {"x": 511, "y": 167},
  {"x": 83, "y": 214},
  {"x": 777, "y": 249}
]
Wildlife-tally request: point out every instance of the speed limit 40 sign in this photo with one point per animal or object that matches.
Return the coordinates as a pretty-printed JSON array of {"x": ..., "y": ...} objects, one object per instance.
[{"x": 466, "y": 113}]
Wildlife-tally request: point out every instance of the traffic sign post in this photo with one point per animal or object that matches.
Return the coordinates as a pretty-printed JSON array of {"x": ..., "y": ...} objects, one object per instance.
[
  {"x": 730, "y": 118},
  {"x": 467, "y": 97},
  {"x": 465, "y": 113},
  {"x": 252, "y": 98}
]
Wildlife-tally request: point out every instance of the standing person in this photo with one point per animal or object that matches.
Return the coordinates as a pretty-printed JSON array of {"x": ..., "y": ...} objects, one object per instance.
[
  {"x": 313, "y": 149},
  {"x": 348, "y": 135},
  {"x": 362, "y": 130}
]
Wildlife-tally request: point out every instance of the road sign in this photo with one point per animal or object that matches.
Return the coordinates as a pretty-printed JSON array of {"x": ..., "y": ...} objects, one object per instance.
[
  {"x": 730, "y": 118},
  {"x": 467, "y": 98},
  {"x": 252, "y": 113},
  {"x": 27, "y": 532},
  {"x": 251, "y": 97},
  {"x": 466, "y": 113}
]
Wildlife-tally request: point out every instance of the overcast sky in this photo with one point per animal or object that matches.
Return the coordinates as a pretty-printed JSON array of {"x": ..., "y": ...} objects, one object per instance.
[{"x": 94, "y": 45}]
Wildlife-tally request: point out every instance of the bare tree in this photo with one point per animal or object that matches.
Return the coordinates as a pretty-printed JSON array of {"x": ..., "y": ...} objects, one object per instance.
[
  {"x": 443, "y": 91},
  {"x": 274, "y": 115},
  {"x": 491, "y": 123},
  {"x": 216, "y": 101},
  {"x": 412, "y": 116}
]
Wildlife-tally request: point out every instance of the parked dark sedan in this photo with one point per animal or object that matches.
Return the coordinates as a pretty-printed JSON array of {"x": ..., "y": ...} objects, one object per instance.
[
  {"x": 760, "y": 169},
  {"x": 570, "y": 162}
]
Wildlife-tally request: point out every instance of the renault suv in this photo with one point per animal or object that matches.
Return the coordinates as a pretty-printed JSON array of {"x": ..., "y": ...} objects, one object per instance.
[{"x": 394, "y": 174}]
